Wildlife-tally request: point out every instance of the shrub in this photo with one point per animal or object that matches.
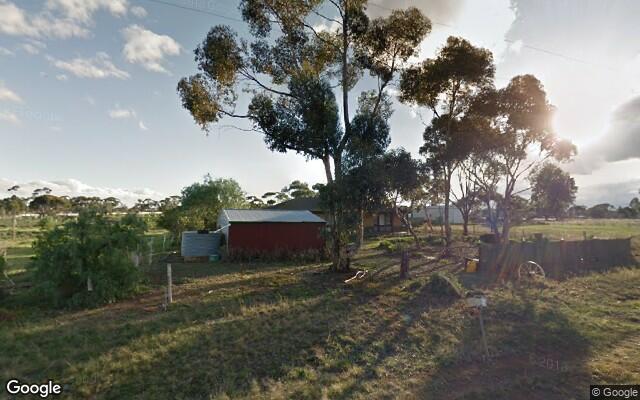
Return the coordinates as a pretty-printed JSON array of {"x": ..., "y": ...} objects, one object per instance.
[
  {"x": 395, "y": 245},
  {"x": 91, "y": 248},
  {"x": 444, "y": 286}
]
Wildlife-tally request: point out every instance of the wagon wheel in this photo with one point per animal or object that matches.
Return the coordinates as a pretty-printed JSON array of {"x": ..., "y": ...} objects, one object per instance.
[{"x": 530, "y": 270}]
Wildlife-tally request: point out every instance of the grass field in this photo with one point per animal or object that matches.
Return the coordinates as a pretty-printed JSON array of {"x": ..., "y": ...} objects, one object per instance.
[{"x": 293, "y": 331}]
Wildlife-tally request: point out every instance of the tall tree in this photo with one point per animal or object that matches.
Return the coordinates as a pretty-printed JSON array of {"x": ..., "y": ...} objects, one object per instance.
[
  {"x": 444, "y": 85},
  {"x": 14, "y": 205},
  {"x": 292, "y": 77},
  {"x": 553, "y": 191},
  {"x": 200, "y": 205},
  {"x": 521, "y": 136},
  {"x": 405, "y": 182},
  {"x": 49, "y": 204},
  {"x": 298, "y": 189}
]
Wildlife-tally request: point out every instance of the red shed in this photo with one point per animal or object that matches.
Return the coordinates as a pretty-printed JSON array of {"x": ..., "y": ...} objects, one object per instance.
[{"x": 272, "y": 230}]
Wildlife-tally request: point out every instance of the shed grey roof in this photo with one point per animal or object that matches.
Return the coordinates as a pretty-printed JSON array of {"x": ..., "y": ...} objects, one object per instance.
[{"x": 271, "y": 216}]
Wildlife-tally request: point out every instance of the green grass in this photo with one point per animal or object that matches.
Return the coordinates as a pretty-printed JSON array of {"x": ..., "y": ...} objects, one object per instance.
[{"x": 247, "y": 331}]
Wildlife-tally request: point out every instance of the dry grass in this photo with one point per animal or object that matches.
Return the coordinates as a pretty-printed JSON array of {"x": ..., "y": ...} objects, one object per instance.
[{"x": 291, "y": 331}]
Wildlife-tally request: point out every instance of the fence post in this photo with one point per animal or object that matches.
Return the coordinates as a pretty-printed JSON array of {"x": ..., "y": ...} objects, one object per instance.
[
  {"x": 164, "y": 237},
  {"x": 150, "y": 251},
  {"x": 169, "y": 289}
]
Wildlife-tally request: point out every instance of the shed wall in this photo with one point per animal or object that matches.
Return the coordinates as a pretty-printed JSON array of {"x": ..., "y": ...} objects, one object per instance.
[{"x": 275, "y": 236}]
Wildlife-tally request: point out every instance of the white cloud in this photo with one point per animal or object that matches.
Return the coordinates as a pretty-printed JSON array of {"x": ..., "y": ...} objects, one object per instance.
[
  {"x": 33, "y": 46},
  {"x": 5, "y": 52},
  {"x": 15, "y": 21},
  {"x": 62, "y": 77},
  {"x": 148, "y": 48},
  {"x": 83, "y": 10},
  {"x": 7, "y": 94},
  {"x": 74, "y": 187},
  {"x": 59, "y": 18},
  {"x": 121, "y": 113},
  {"x": 98, "y": 67},
  {"x": 138, "y": 11},
  {"x": 142, "y": 126},
  {"x": 10, "y": 117}
]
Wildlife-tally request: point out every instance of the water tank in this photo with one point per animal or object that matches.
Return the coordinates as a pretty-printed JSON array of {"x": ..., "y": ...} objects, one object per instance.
[{"x": 200, "y": 243}]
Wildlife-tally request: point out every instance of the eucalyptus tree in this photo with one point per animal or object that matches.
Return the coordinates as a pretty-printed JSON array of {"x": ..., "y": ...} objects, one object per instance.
[
  {"x": 405, "y": 181},
  {"x": 445, "y": 84},
  {"x": 364, "y": 185},
  {"x": 14, "y": 205},
  {"x": 553, "y": 190},
  {"x": 298, "y": 189},
  {"x": 291, "y": 67},
  {"x": 519, "y": 136}
]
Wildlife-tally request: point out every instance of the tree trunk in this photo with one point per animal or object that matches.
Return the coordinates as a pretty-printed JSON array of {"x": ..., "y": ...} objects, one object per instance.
[
  {"x": 447, "y": 201},
  {"x": 14, "y": 225},
  {"x": 360, "y": 233},
  {"x": 407, "y": 221},
  {"x": 506, "y": 223},
  {"x": 404, "y": 265},
  {"x": 465, "y": 224}
]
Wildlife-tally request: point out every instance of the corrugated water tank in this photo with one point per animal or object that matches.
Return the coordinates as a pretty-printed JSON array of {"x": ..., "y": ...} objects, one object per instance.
[{"x": 200, "y": 243}]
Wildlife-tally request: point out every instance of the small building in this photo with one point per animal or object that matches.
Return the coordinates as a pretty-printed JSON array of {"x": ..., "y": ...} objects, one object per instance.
[
  {"x": 436, "y": 214},
  {"x": 266, "y": 230},
  {"x": 383, "y": 220}
]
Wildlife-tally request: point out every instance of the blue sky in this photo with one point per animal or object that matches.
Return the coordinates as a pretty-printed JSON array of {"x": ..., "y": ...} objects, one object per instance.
[{"x": 88, "y": 102}]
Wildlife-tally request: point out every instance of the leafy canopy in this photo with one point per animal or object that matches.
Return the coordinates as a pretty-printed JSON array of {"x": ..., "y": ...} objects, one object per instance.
[
  {"x": 93, "y": 247},
  {"x": 553, "y": 191}
]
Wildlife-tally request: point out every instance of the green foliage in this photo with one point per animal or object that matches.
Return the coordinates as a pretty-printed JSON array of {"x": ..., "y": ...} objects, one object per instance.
[
  {"x": 3, "y": 265},
  {"x": 604, "y": 210},
  {"x": 12, "y": 205},
  {"x": 94, "y": 248},
  {"x": 444, "y": 286},
  {"x": 292, "y": 76},
  {"x": 298, "y": 189},
  {"x": 553, "y": 190},
  {"x": 49, "y": 204},
  {"x": 201, "y": 203}
]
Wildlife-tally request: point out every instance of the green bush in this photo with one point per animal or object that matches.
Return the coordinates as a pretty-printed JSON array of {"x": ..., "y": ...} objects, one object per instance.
[
  {"x": 93, "y": 248},
  {"x": 395, "y": 245},
  {"x": 444, "y": 286}
]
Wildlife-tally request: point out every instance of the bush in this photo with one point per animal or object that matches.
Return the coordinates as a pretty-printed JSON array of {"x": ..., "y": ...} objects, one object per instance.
[
  {"x": 395, "y": 245},
  {"x": 92, "y": 248},
  {"x": 444, "y": 286}
]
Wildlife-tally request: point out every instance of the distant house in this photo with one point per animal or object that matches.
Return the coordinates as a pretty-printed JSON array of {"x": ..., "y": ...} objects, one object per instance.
[
  {"x": 436, "y": 214},
  {"x": 271, "y": 230},
  {"x": 380, "y": 221}
]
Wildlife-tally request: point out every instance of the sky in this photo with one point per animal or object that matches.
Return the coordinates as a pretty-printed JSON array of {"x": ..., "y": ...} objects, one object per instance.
[{"x": 88, "y": 104}]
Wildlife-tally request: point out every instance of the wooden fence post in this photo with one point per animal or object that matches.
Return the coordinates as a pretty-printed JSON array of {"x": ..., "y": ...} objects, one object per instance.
[{"x": 169, "y": 289}]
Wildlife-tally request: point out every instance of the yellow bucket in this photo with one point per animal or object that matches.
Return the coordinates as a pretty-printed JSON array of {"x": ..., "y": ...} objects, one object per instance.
[{"x": 471, "y": 265}]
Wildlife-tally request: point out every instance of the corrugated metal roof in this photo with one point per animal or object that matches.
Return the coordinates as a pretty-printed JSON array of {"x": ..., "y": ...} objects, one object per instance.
[{"x": 271, "y": 216}]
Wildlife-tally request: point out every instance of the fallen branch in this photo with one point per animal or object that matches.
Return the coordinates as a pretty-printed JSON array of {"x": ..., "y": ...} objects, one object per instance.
[{"x": 361, "y": 274}]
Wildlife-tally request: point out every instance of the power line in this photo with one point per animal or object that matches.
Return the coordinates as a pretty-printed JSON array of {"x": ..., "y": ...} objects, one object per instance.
[
  {"x": 539, "y": 49},
  {"x": 198, "y": 10},
  {"x": 534, "y": 48}
]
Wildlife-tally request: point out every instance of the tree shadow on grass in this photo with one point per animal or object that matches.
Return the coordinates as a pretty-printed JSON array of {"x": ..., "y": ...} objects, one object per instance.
[
  {"x": 45, "y": 347},
  {"x": 534, "y": 353},
  {"x": 227, "y": 355}
]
